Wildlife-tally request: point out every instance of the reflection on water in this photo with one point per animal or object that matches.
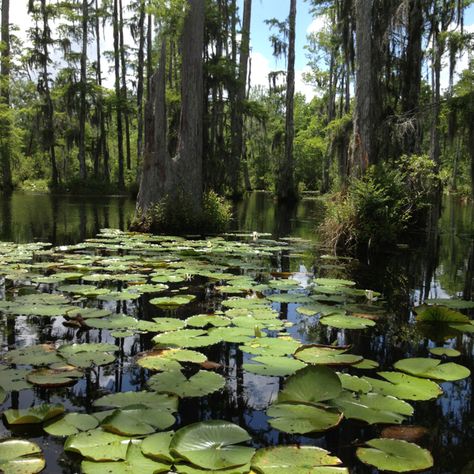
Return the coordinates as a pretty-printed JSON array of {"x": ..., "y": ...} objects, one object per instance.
[{"x": 441, "y": 264}]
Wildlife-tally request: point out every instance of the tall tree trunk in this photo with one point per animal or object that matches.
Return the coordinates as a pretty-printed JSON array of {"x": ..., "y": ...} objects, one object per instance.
[
  {"x": 118, "y": 96},
  {"x": 149, "y": 53},
  {"x": 286, "y": 186},
  {"x": 5, "y": 125},
  {"x": 363, "y": 137},
  {"x": 82, "y": 111},
  {"x": 435, "y": 149},
  {"x": 102, "y": 145},
  {"x": 237, "y": 118},
  {"x": 188, "y": 161},
  {"x": 124, "y": 95},
  {"x": 140, "y": 70},
  {"x": 48, "y": 133}
]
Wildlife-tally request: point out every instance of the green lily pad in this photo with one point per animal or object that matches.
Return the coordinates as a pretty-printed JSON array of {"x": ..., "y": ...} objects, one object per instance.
[
  {"x": 366, "y": 364},
  {"x": 157, "y": 446},
  {"x": 301, "y": 419},
  {"x": 440, "y": 315},
  {"x": 270, "y": 346},
  {"x": 326, "y": 355},
  {"x": 33, "y": 415},
  {"x": 297, "y": 298},
  {"x": 451, "y": 303},
  {"x": 98, "y": 445},
  {"x": 274, "y": 366},
  {"x": 147, "y": 399},
  {"x": 395, "y": 455},
  {"x": 372, "y": 407},
  {"x": 14, "y": 379},
  {"x": 212, "y": 445},
  {"x": 119, "y": 321},
  {"x": 18, "y": 456},
  {"x": 200, "y": 384},
  {"x": 88, "y": 313},
  {"x": 445, "y": 351},
  {"x": 43, "y": 354},
  {"x": 203, "y": 320},
  {"x": 341, "y": 321},
  {"x": 354, "y": 384},
  {"x": 62, "y": 376},
  {"x": 134, "y": 462},
  {"x": 297, "y": 459},
  {"x": 334, "y": 282},
  {"x": 405, "y": 386},
  {"x": 86, "y": 355},
  {"x": 432, "y": 369},
  {"x": 119, "y": 296},
  {"x": 311, "y": 385},
  {"x": 316, "y": 308},
  {"x": 172, "y": 301},
  {"x": 185, "y": 338},
  {"x": 70, "y": 424},
  {"x": 168, "y": 324}
]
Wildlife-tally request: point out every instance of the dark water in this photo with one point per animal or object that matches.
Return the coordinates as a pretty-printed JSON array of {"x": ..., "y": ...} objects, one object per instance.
[{"x": 439, "y": 263}]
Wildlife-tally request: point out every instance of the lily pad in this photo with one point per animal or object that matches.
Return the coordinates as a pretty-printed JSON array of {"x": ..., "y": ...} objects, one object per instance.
[
  {"x": 56, "y": 377},
  {"x": 395, "y": 455},
  {"x": 444, "y": 351},
  {"x": 14, "y": 379},
  {"x": 212, "y": 445},
  {"x": 43, "y": 354},
  {"x": 18, "y": 456},
  {"x": 326, "y": 355},
  {"x": 172, "y": 301},
  {"x": 157, "y": 446},
  {"x": 301, "y": 419},
  {"x": 203, "y": 320},
  {"x": 33, "y": 415},
  {"x": 297, "y": 459},
  {"x": 147, "y": 399},
  {"x": 274, "y": 366},
  {"x": 70, "y": 424},
  {"x": 432, "y": 369},
  {"x": 439, "y": 314},
  {"x": 341, "y": 321},
  {"x": 451, "y": 303},
  {"x": 198, "y": 385}
]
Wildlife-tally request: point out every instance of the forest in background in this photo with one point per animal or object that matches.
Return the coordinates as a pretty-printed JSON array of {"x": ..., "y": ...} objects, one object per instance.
[{"x": 379, "y": 107}]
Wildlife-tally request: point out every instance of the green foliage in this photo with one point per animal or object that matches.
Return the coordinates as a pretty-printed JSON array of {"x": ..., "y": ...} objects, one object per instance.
[
  {"x": 378, "y": 207},
  {"x": 178, "y": 215}
]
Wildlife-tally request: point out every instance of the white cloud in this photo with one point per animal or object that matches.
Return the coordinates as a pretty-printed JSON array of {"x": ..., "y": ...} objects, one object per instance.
[
  {"x": 317, "y": 25},
  {"x": 301, "y": 86},
  {"x": 260, "y": 69}
]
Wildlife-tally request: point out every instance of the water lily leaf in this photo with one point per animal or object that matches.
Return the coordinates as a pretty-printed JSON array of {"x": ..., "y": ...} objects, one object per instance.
[
  {"x": 270, "y": 346},
  {"x": 469, "y": 328},
  {"x": 168, "y": 324},
  {"x": 88, "y": 313},
  {"x": 83, "y": 290},
  {"x": 315, "y": 308},
  {"x": 451, "y": 303},
  {"x": 334, "y": 282},
  {"x": 439, "y": 314},
  {"x": 312, "y": 384},
  {"x": 395, "y": 455},
  {"x": 297, "y": 459},
  {"x": 274, "y": 366},
  {"x": 86, "y": 355},
  {"x": 326, "y": 355},
  {"x": 70, "y": 424},
  {"x": 168, "y": 278},
  {"x": 54, "y": 377},
  {"x": 445, "y": 351},
  {"x": 432, "y": 369},
  {"x": 366, "y": 364},
  {"x": 157, "y": 446},
  {"x": 200, "y": 384},
  {"x": 372, "y": 407},
  {"x": 234, "y": 334},
  {"x": 405, "y": 386},
  {"x": 119, "y": 296},
  {"x": 98, "y": 445},
  {"x": 341, "y": 321},
  {"x": 33, "y": 415},
  {"x": 153, "y": 361},
  {"x": 148, "y": 288},
  {"x": 182, "y": 468},
  {"x": 172, "y": 301},
  {"x": 212, "y": 445},
  {"x": 147, "y": 399},
  {"x": 42, "y": 354},
  {"x": 119, "y": 321},
  {"x": 45, "y": 310},
  {"x": 185, "y": 338},
  {"x": 135, "y": 462},
  {"x": 18, "y": 456},
  {"x": 137, "y": 421},
  {"x": 299, "y": 298},
  {"x": 14, "y": 379},
  {"x": 301, "y": 419},
  {"x": 256, "y": 312},
  {"x": 245, "y": 303},
  {"x": 203, "y": 320},
  {"x": 354, "y": 384}
]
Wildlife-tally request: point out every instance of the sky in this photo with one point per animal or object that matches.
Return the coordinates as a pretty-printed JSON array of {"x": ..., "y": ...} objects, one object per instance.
[{"x": 261, "y": 51}]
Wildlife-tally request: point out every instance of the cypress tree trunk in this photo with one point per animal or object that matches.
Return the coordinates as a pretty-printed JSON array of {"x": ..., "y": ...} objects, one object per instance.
[
  {"x": 285, "y": 186},
  {"x": 5, "y": 125},
  {"x": 237, "y": 119},
  {"x": 140, "y": 70},
  {"x": 118, "y": 96},
  {"x": 124, "y": 95},
  {"x": 82, "y": 111}
]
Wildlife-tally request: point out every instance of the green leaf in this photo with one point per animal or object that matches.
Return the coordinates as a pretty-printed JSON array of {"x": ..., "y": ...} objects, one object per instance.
[
  {"x": 432, "y": 369},
  {"x": 43, "y": 354},
  {"x": 301, "y": 419},
  {"x": 212, "y": 445},
  {"x": 135, "y": 462},
  {"x": 274, "y": 366},
  {"x": 405, "y": 386},
  {"x": 354, "y": 384},
  {"x": 297, "y": 460},
  {"x": 270, "y": 346},
  {"x": 18, "y": 456},
  {"x": 157, "y": 446},
  {"x": 341, "y": 321},
  {"x": 444, "y": 351},
  {"x": 33, "y": 415},
  {"x": 70, "y": 424},
  {"x": 147, "y": 399},
  {"x": 55, "y": 377},
  {"x": 172, "y": 301},
  {"x": 14, "y": 379},
  {"x": 203, "y": 320},
  {"x": 200, "y": 384},
  {"x": 325, "y": 355},
  {"x": 451, "y": 303},
  {"x": 395, "y": 455},
  {"x": 439, "y": 314}
]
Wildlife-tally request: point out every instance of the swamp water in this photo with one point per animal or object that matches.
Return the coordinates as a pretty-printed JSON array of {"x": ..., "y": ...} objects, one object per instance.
[{"x": 269, "y": 306}]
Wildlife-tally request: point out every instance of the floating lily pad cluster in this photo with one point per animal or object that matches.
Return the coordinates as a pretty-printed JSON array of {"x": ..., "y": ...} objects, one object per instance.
[{"x": 188, "y": 299}]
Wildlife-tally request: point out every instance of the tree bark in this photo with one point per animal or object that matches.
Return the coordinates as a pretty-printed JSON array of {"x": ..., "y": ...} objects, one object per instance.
[
  {"x": 124, "y": 95},
  {"x": 83, "y": 84},
  {"x": 118, "y": 96},
  {"x": 5, "y": 125},
  {"x": 285, "y": 185},
  {"x": 140, "y": 72}
]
